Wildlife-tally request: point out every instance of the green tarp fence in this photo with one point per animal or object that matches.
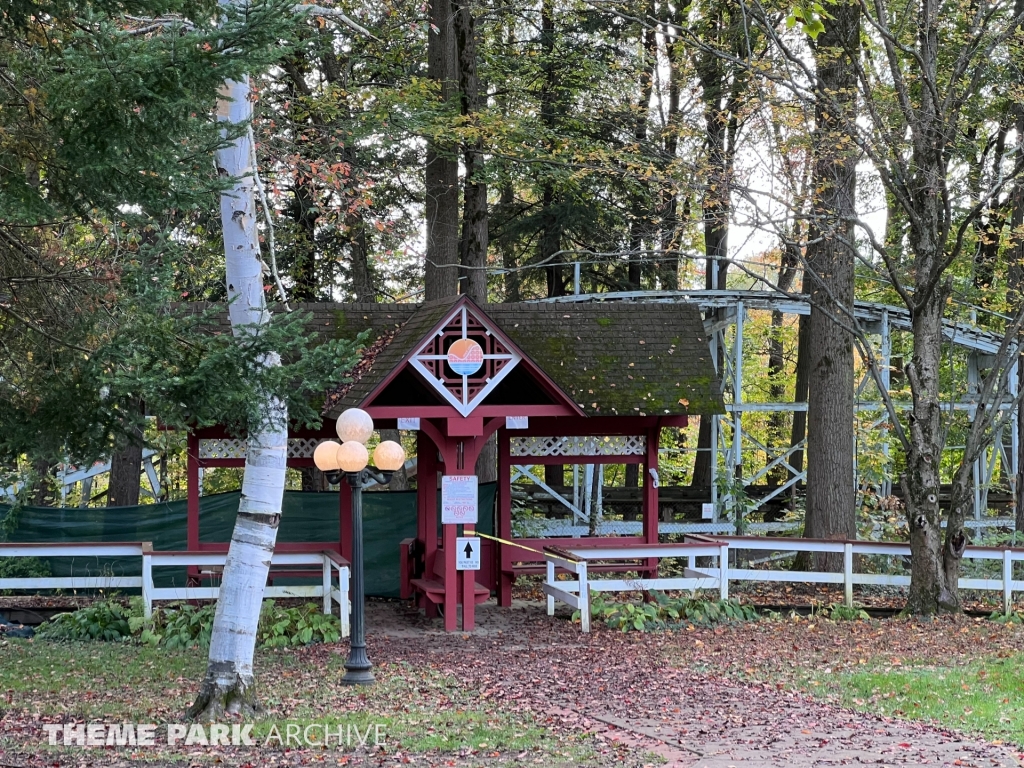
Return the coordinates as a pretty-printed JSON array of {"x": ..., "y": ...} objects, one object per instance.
[{"x": 388, "y": 517}]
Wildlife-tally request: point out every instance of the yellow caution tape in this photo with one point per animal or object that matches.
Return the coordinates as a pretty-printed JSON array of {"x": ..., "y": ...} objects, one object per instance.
[{"x": 513, "y": 544}]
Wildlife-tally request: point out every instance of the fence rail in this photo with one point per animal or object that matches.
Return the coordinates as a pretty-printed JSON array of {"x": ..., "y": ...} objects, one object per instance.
[
  {"x": 720, "y": 573},
  {"x": 333, "y": 588}
]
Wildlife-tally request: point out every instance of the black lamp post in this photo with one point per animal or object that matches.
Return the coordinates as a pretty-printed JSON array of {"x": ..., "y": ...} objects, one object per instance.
[{"x": 351, "y": 458}]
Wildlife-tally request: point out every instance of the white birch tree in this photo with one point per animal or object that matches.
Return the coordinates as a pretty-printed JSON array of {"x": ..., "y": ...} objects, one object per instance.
[{"x": 228, "y": 687}]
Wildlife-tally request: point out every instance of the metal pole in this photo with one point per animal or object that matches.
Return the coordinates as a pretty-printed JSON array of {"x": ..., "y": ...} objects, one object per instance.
[{"x": 359, "y": 670}]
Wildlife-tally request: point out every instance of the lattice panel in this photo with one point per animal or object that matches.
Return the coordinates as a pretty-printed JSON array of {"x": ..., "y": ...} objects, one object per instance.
[
  {"x": 233, "y": 448},
  {"x": 618, "y": 445}
]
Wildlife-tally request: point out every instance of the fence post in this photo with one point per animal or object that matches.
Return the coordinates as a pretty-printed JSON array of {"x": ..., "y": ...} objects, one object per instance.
[
  {"x": 1007, "y": 582},
  {"x": 581, "y": 571},
  {"x": 848, "y": 573},
  {"x": 344, "y": 603},
  {"x": 723, "y": 571},
  {"x": 551, "y": 582},
  {"x": 147, "y": 579},
  {"x": 327, "y": 583}
]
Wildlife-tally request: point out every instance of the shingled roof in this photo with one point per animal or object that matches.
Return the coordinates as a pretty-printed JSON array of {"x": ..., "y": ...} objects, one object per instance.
[{"x": 612, "y": 359}]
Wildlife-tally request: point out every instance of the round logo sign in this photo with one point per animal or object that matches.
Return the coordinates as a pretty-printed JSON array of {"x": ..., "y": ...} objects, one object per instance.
[{"x": 465, "y": 357}]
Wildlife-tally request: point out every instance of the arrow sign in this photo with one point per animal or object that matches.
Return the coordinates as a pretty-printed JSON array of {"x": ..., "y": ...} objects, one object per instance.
[{"x": 467, "y": 553}]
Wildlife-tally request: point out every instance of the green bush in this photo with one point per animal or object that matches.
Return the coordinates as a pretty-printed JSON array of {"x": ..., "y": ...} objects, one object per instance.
[
  {"x": 106, "y": 620},
  {"x": 667, "y": 612},
  {"x": 178, "y": 625},
  {"x": 181, "y": 625},
  {"x": 296, "y": 626}
]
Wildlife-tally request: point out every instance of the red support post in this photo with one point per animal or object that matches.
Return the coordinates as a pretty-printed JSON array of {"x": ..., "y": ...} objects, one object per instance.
[
  {"x": 192, "y": 480},
  {"x": 426, "y": 503},
  {"x": 504, "y": 552},
  {"x": 192, "y": 505},
  {"x": 651, "y": 511}
]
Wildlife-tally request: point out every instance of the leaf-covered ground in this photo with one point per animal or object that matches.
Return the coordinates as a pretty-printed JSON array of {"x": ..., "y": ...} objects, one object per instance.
[{"x": 531, "y": 690}]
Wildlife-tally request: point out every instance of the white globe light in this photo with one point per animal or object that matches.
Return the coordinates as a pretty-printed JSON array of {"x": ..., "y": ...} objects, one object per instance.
[
  {"x": 355, "y": 424},
  {"x": 352, "y": 456},
  {"x": 389, "y": 456},
  {"x": 326, "y": 456}
]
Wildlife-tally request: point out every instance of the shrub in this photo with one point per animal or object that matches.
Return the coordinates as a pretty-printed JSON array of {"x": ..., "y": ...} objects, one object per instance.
[
  {"x": 105, "y": 620},
  {"x": 667, "y": 612},
  {"x": 296, "y": 626},
  {"x": 181, "y": 625}
]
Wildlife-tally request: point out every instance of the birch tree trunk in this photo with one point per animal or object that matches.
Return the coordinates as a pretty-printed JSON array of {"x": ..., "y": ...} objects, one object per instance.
[{"x": 228, "y": 687}]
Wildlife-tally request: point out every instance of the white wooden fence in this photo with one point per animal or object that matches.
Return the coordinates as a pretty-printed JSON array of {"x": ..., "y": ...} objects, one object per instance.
[
  {"x": 334, "y": 587},
  {"x": 575, "y": 592}
]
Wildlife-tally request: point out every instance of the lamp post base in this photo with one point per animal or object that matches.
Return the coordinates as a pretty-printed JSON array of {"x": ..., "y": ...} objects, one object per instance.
[
  {"x": 358, "y": 674},
  {"x": 358, "y": 669}
]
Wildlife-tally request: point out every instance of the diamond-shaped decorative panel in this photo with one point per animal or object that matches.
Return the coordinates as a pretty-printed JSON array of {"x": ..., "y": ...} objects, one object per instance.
[{"x": 465, "y": 360}]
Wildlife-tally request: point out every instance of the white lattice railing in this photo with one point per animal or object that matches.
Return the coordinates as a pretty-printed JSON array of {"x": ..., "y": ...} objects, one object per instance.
[
  {"x": 234, "y": 448},
  {"x": 615, "y": 445}
]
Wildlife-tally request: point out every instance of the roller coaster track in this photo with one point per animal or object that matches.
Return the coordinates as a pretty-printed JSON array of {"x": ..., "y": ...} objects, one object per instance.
[
  {"x": 869, "y": 314},
  {"x": 874, "y": 319}
]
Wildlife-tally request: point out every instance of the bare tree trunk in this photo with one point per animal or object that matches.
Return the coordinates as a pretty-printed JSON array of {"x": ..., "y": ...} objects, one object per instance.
[
  {"x": 441, "y": 275},
  {"x": 228, "y": 686},
  {"x": 776, "y": 362},
  {"x": 125, "y": 468},
  {"x": 831, "y": 494},
  {"x": 474, "y": 242},
  {"x": 508, "y": 252},
  {"x": 1015, "y": 258}
]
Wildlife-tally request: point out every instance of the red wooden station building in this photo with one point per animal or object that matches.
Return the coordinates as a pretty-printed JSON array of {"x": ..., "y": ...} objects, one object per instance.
[{"x": 556, "y": 383}]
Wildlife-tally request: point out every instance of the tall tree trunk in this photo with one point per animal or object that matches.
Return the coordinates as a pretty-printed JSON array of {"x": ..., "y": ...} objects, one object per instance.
[
  {"x": 831, "y": 494},
  {"x": 720, "y": 125},
  {"x": 228, "y": 685},
  {"x": 508, "y": 252},
  {"x": 640, "y": 226},
  {"x": 777, "y": 421},
  {"x": 441, "y": 274},
  {"x": 1015, "y": 258},
  {"x": 929, "y": 589},
  {"x": 474, "y": 241},
  {"x": 125, "y": 468}
]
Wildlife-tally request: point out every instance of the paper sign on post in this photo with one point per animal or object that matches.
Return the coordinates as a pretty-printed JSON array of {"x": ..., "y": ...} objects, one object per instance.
[
  {"x": 707, "y": 511},
  {"x": 467, "y": 553},
  {"x": 459, "y": 499}
]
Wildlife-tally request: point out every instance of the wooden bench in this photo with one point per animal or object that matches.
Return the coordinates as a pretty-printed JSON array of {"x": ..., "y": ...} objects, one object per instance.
[{"x": 433, "y": 587}]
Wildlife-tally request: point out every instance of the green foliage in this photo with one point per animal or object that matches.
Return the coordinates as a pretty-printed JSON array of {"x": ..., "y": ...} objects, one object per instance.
[
  {"x": 179, "y": 625},
  {"x": 810, "y": 16},
  {"x": 182, "y": 625},
  {"x": 843, "y": 613},
  {"x": 1013, "y": 617},
  {"x": 301, "y": 625},
  {"x": 105, "y": 620},
  {"x": 180, "y": 360},
  {"x": 115, "y": 118},
  {"x": 668, "y": 612}
]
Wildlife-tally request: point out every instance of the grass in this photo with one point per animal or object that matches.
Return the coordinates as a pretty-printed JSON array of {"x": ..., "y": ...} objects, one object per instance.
[
  {"x": 982, "y": 696},
  {"x": 420, "y": 710}
]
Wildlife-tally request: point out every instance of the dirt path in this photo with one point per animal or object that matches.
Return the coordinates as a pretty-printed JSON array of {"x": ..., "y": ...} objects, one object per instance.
[{"x": 620, "y": 687}]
